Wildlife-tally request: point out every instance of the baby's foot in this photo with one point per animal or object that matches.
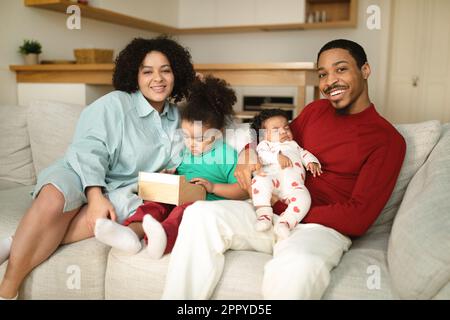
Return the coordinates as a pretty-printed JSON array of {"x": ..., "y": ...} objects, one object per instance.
[
  {"x": 157, "y": 238},
  {"x": 282, "y": 230},
  {"x": 263, "y": 223}
]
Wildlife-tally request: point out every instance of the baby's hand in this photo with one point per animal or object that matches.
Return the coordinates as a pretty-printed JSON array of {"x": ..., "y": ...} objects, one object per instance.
[
  {"x": 314, "y": 168},
  {"x": 209, "y": 186},
  {"x": 284, "y": 161}
]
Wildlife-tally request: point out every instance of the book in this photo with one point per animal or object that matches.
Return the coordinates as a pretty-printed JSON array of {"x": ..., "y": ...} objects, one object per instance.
[{"x": 168, "y": 188}]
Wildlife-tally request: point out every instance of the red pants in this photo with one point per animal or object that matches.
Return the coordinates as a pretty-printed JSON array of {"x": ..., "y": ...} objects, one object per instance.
[{"x": 168, "y": 215}]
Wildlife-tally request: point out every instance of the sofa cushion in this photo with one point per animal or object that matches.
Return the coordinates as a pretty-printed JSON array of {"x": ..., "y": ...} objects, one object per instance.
[
  {"x": 56, "y": 278},
  {"x": 51, "y": 126},
  {"x": 140, "y": 277},
  {"x": 363, "y": 272},
  {"x": 16, "y": 163},
  {"x": 6, "y": 184},
  {"x": 419, "y": 247},
  {"x": 420, "y": 139}
]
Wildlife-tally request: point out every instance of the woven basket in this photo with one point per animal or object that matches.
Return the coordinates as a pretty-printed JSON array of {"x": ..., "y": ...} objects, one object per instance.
[{"x": 94, "y": 55}]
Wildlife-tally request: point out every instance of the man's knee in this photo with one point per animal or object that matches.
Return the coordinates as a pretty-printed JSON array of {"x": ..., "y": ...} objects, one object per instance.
[{"x": 199, "y": 211}]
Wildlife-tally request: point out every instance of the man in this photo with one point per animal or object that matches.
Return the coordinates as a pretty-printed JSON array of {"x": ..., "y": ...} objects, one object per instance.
[{"x": 361, "y": 156}]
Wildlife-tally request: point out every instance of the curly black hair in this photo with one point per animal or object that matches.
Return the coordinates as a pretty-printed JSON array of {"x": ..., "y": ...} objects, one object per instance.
[
  {"x": 258, "y": 120},
  {"x": 209, "y": 100},
  {"x": 129, "y": 60}
]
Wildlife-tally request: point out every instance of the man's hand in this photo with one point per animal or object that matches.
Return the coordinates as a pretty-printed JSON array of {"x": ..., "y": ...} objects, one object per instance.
[
  {"x": 209, "y": 186},
  {"x": 248, "y": 162},
  {"x": 314, "y": 168},
  {"x": 98, "y": 207},
  {"x": 284, "y": 161}
]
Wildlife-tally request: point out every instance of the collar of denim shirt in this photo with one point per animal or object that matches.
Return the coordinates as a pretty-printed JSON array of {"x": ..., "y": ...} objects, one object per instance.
[{"x": 144, "y": 108}]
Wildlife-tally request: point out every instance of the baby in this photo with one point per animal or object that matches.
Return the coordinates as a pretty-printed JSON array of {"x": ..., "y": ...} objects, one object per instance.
[{"x": 282, "y": 174}]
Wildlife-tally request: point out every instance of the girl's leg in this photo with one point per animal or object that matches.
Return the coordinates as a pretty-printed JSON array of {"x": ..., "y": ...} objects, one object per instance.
[
  {"x": 162, "y": 236},
  {"x": 127, "y": 237},
  {"x": 38, "y": 235}
]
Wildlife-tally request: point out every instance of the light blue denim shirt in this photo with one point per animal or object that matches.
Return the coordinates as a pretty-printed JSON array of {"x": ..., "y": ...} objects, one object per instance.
[{"x": 121, "y": 134}]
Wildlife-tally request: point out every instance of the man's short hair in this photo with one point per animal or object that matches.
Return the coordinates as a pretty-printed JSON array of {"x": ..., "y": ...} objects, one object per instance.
[{"x": 356, "y": 51}]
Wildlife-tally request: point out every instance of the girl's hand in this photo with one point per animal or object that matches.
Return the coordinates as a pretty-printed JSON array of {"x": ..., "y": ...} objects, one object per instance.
[
  {"x": 284, "y": 161},
  {"x": 209, "y": 186},
  {"x": 314, "y": 168},
  {"x": 99, "y": 207}
]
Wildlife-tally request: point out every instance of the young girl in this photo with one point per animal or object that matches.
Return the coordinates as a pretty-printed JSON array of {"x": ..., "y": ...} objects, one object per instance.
[
  {"x": 283, "y": 161},
  {"x": 207, "y": 160}
]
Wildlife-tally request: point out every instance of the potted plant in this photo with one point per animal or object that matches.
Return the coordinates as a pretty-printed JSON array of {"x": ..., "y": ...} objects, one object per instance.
[{"x": 31, "y": 50}]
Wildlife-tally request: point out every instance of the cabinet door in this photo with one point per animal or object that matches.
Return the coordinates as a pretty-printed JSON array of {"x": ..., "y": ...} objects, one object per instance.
[
  {"x": 419, "y": 74},
  {"x": 405, "y": 67},
  {"x": 280, "y": 12},
  {"x": 434, "y": 82}
]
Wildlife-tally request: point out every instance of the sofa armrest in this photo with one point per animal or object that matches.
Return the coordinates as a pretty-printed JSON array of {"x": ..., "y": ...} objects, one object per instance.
[{"x": 419, "y": 246}]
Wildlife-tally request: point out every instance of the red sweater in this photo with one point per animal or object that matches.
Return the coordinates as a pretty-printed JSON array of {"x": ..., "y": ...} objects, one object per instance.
[{"x": 361, "y": 157}]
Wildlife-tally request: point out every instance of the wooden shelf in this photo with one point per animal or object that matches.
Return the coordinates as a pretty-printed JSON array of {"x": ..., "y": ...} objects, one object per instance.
[
  {"x": 295, "y": 74},
  {"x": 340, "y": 13}
]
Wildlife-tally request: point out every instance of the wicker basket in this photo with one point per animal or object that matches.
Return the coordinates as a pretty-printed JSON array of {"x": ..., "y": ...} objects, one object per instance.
[{"x": 94, "y": 55}]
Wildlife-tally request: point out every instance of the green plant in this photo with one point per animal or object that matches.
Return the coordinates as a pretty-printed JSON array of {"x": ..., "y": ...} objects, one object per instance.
[{"x": 30, "y": 46}]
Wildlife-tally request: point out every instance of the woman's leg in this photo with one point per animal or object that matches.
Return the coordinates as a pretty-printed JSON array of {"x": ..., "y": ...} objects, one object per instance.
[{"x": 38, "y": 235}]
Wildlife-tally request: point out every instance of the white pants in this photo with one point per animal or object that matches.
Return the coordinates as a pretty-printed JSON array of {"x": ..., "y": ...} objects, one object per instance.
[{"x": 300, "y": 268}]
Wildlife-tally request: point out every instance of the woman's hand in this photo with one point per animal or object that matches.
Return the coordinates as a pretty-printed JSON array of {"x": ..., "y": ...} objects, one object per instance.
[
  {"x": 314, "y": 168},
  {"x": 284, "y": 161},
  {"x": 209, "y": 186},
  {"x": 98, "y": 207}
]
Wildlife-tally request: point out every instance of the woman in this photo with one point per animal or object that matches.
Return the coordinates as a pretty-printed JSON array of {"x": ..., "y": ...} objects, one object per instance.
[{"x": 126, "y": 131}]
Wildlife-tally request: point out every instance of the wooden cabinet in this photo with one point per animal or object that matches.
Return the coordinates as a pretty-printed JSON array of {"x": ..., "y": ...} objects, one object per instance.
[{"x": 229, "y": 15}]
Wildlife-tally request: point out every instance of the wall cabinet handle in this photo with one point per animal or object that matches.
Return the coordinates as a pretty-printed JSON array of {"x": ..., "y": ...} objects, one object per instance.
[{"x": 415, "y": 81}]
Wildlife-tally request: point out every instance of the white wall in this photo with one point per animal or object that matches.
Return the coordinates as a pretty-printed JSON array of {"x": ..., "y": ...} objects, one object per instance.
[
  {"x": 20, "y": 22},
  {"x": 213, "y": 13},
  {"x": 289, "y": 46},
  {"x": 160, "y": 11}
]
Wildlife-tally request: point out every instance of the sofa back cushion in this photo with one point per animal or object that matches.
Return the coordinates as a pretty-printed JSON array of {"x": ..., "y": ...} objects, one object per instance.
[
  {"x": 51, "y": 126},
  {"x": 420, "y": 139},
  {"x": 419, "y": 246},
  {"x": 16, "y": 163}
]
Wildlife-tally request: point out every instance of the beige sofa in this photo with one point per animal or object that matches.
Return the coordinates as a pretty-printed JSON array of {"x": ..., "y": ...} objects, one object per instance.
[{"x": 406, "y": 254}]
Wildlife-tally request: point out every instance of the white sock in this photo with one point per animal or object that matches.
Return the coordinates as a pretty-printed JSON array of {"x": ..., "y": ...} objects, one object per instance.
[
  {"x": 117, "y": 236},
  {"x": 5, "y": 248},
  {"x": 264, "y": 223},
  {"x": 157, "y": 238},
  {"x": 282, "y": 231},
  {"x": 14, "y": 298}
]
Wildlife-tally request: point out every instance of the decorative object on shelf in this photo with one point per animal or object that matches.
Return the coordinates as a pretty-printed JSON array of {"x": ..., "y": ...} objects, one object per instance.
[
  {"x": 94, "y": 55},
  {"x": 57, "y": 61},
  {"x": 31, "y": 50}
]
